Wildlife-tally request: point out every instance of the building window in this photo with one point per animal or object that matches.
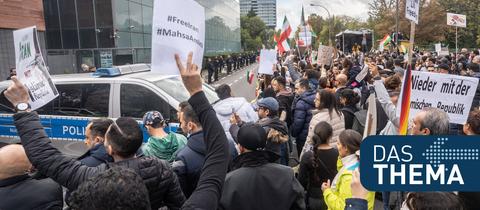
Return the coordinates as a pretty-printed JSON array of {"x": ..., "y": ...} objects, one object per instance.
[
  {"x": 135, "y": 11},
  {"x": 86, "y": 24},
  {"x": 123, "y": 39},
  {"x": 69, "y": 24},
  {"x": 122, "y": 18},
  {"x": 137, "y": 40},
  {"x": 105, "y": 37},
  {"x": 87, "y": 38},
  {"x": 52, "y": 24},
  {"x": 147, "y": 19}
]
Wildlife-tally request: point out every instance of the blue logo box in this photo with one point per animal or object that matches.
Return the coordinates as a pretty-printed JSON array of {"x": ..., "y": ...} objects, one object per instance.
[{"x": 420, "y": 163}]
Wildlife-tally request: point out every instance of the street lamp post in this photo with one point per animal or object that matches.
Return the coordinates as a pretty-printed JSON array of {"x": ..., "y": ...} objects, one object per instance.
[
  {"x": 329, "y": 25},
  {"x": 396, "y": 25}
]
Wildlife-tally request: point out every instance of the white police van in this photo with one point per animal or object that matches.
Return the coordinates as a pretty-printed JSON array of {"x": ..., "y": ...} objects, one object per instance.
[{"x": 122, "y": 91}]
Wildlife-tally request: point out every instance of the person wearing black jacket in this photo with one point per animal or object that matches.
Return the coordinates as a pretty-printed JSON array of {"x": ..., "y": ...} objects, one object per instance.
[
  {"x": 349, "y": 100},
  {"x": 255, "y": 183},
  {"x": 94, "y": 138},
  {"x": 284, "y": 98},
  {"x": 229, "y": 64},
  {"x": 189, "y": 161},
  {"x": 211, "y": 70},
  {"x": 303, "y": 104},
  {"x": 218, "y": 67},
  {"x": 20, "y": 191},
  {"x": 209, "y": 186},
  {"x": 123, "y": 139},
  {"x": 162, "y": 183}
]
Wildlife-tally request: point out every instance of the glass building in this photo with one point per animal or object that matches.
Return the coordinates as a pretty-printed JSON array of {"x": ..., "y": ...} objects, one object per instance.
[
  {"x": 265, "y": 9},
  {"x": 102, "y": 33}
]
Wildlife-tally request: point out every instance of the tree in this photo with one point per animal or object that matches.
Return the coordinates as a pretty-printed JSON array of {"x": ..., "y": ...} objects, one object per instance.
[
  {"x": 318, "y": 23},
  {"x": 432, "y": 26},
  {"x": 255, "y": 33},
  {"x": 251, "y": 13},
  {"x": 470, "y": 36}
]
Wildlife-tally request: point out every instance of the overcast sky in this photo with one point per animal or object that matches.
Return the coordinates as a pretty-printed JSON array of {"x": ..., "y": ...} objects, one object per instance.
[{"x": 293, "y": 9}]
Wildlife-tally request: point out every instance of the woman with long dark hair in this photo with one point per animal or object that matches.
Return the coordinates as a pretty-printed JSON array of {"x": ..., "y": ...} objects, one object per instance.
[
  {"x": 326, "y": 110},
  {"x": 318, "y": 166},
  {"x": 349, "y": 100}
]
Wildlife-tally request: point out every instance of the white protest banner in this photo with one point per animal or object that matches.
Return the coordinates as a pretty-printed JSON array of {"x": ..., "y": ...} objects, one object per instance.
[
  {"x": 306, "y": 38},
  {"x": 450, "y": 93},
  {"x": 31, "y": 68},
  {"x": 325, "y": 55},
  {"x": 268, "y": 58},
  {"x": 456, "y": 20},
  {"x": 362, "y": 74},
  {"x": 178, "y": 28},
  {"x": 313, "y": 57},
  {"x": 444, "y": 52},
  {"x": 371, "y": 121},
  {"x": 438, "y": 47},
  {"x": 412, "y": 10}
]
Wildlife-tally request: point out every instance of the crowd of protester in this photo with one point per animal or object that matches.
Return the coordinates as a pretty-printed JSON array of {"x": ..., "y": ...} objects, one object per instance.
[{"x": 240, "y": 155}]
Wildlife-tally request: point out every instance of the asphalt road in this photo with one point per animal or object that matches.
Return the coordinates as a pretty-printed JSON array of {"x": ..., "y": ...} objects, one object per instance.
[{"x": 238, "y": 83}]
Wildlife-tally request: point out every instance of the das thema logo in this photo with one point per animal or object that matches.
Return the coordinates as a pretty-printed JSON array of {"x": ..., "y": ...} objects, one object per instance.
[{"x": 420, "y": 163}]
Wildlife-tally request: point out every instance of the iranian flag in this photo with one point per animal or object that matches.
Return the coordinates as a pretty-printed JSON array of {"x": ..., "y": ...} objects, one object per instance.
[
  {"x": 250, "y": 76},
  {"x": 386, "y": 40},
  {"x": 286, "y": 29},
  {"x": 282, "y": 40}
]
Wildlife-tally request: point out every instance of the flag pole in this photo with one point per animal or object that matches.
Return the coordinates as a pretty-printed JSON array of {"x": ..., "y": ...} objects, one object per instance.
[
  {"x": 412, "y": 42},
  {"x": 405, "y": 106},
  {"x": 456, "y": 44}
]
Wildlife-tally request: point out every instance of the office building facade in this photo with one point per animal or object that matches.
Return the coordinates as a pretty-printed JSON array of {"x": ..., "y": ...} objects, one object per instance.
[
  {"x": 17, "y": 14},
  {"x": 265, "y": 9},
  {"x": 103, "y": 33}
]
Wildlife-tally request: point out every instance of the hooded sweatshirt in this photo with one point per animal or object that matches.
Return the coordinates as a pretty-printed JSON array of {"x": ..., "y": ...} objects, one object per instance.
[
  {"x": 226, "y": 107},
  {"x": 165, "y": 148}
]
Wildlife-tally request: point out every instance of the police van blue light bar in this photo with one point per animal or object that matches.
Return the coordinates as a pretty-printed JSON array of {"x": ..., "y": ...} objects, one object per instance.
[
  {"x": 121, "y": 70},
  {"x": 107, "y": 72}
]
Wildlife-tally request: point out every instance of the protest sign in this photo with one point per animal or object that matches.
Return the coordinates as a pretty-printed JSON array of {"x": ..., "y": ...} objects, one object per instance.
[
  {"x": 362, "y": 74},
  {"x": 31, "y": 69},
  {"x": 325, "y": 55},
  {"x": 313, "y": 57},
  {"x": 412, "y": 10},
  {"x": 456, "y": 20},
  {"x": 450, "y": 93},
  {"x": 371, "y": 121},
  {"x": 444, "y": 51},
  {"x": 438, "y": 47},
  {"x": 106, "y": 60},
  {"x": 178, "y": 28},
  {"x": 268, "y": 58}
]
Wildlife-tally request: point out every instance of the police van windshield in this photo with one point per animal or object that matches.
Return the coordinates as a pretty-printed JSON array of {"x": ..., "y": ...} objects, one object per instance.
[{"x": 174, "y": 87}]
